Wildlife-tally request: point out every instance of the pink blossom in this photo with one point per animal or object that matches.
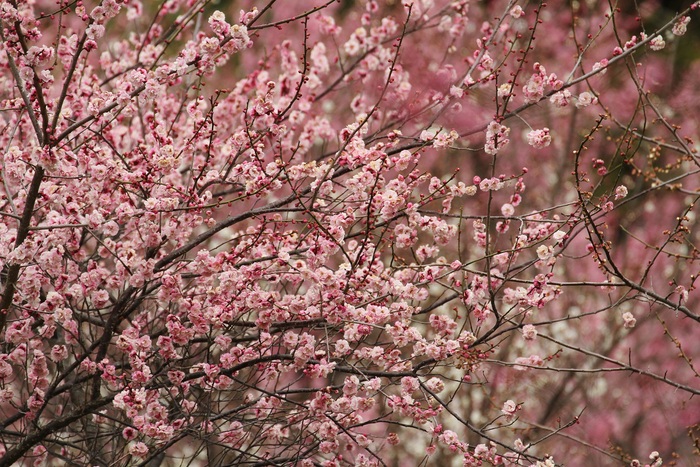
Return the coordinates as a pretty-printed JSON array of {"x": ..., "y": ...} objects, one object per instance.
[
  {"x": 509, "y": 408},
  {"x": 681, "y": 26},
  {"x": 507, "y": 210},
  {"x": 620, "y": 192},
  {"x": 496, "y": 137},
  {"x": 561, "y": 98},
  {"x": 5, "y": 368},
  {"x": 435, "y": 385},
  {"x": 312, "y": 249},
  {"x": 601, "y": 65},
  {"x": 657, "y": 43},
  {"x": 138, "y": 449},
  {"x": 585, "y": 99},
  {"x": 531, "y": 361},
  {"x": 40, "y": 453},
  {"x": 59, "y": 353},
  {"x": 516, "y": 11},
  {"x": 539, "y": 138},
  {"x": 36, "y": 400},
  {"x": 529, "y": 332}
]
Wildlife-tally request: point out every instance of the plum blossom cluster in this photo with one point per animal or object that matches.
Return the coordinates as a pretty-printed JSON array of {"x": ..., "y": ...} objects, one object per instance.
[
  {"x": 539, "y": 138},
  {"x": 535, "y": 87},
  {"x": 302, "y": 237},
  {"x": 496, "y": 137}
]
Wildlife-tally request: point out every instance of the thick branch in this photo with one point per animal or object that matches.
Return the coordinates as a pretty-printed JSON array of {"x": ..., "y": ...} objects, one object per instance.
[{"x": 22, "y": 232}]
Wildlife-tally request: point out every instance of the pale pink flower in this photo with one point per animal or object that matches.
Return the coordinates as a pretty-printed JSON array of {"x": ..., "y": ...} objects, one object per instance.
[
  {"x": 539, "y": 138},
  {"x": 516, "y": 12},
  {"x": 601, "y": 65},
  {"x": 585, "y": 99},
  {"x": 620, "y": 192},
  {"x": 509, "y": 408},
  {"x": 561, "y": 98},
  {"x": 681, "y": 26},
  {"x": 435, "y": 385},
  {"x": 507, "y": 210},
  {"x": 496, "y": 137},
  {"x": 657, "y": 43},
  {"x": 139, "y": 450},
  {"x": 682, "y": 293},
  {"x": 218, "y": 24},
  {"x": 529, "y": 332},
  {"x": 505, "y": 90},
  {"x": 544, "y": 252}
]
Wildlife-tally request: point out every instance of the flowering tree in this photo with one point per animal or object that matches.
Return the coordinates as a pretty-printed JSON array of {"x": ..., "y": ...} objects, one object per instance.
[{"x": 348, "y": 233}]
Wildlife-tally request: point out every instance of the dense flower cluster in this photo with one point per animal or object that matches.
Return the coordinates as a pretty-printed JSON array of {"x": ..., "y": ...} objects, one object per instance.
[{"x": 325, "y": 233}]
